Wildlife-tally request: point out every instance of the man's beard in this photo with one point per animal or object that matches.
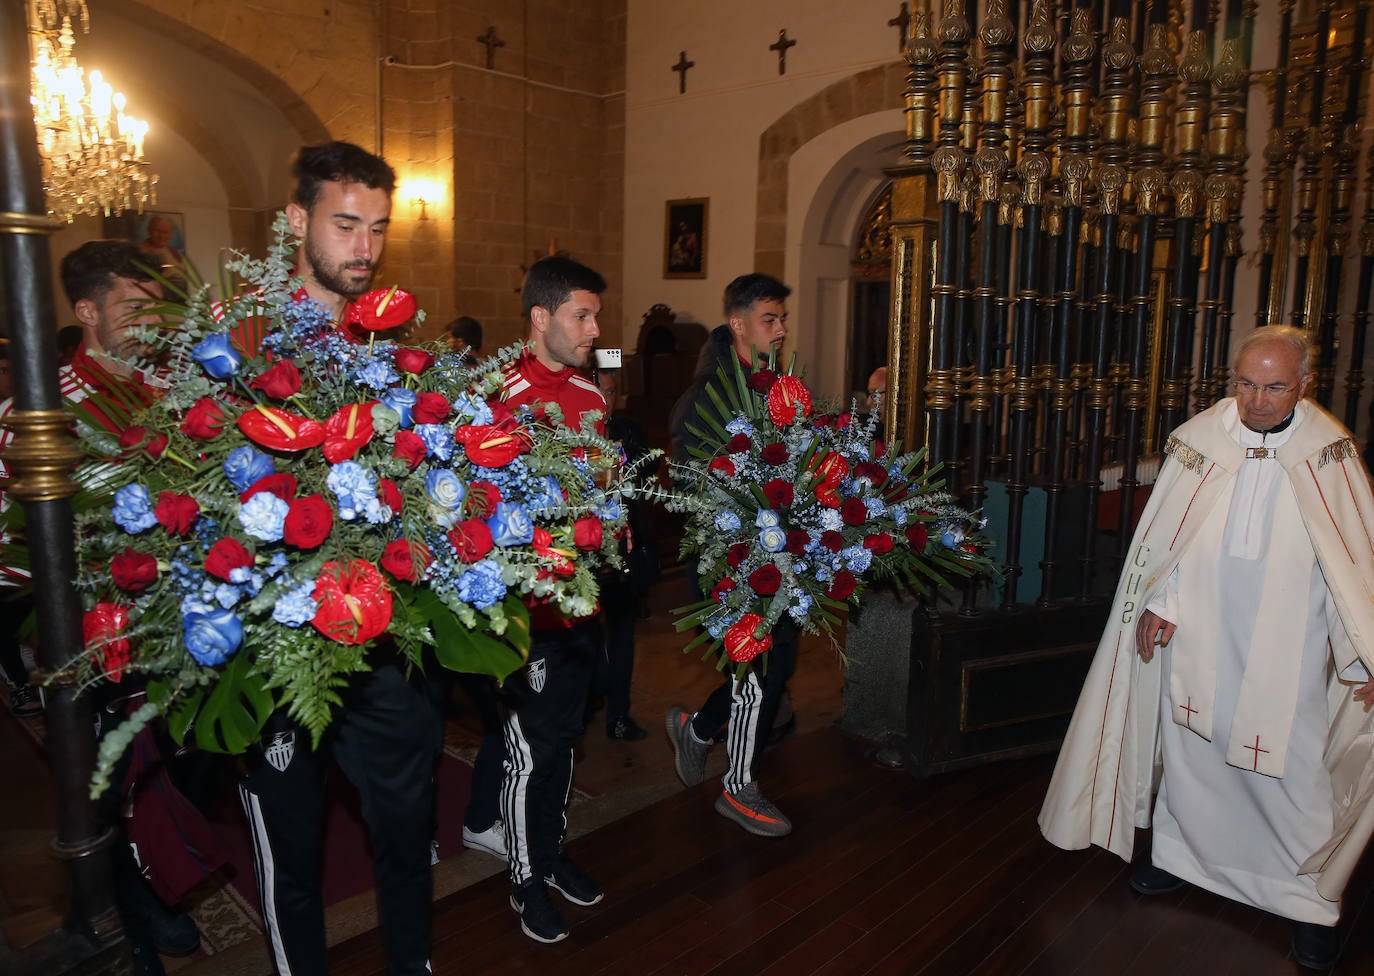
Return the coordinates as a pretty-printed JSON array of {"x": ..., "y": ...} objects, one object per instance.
[{"x": 334, "y": 278}]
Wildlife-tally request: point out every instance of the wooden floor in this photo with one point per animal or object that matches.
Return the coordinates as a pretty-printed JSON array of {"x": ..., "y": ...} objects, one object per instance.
[{"x": 883, "y": 874}]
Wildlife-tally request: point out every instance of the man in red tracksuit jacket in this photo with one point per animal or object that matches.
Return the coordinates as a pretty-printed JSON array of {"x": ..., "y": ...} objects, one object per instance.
[{"x": 547, "y": 698}]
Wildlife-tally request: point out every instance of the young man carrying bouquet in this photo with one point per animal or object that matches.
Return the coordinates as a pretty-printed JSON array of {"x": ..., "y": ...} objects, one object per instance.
[
  {"x": 756, "y": 325},
  {"x": 387, "y": 733},
  {"x": 547, "y": 698}
]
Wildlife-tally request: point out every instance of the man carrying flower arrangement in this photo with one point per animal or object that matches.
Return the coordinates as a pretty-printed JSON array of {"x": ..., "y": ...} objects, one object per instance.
[
  {"x": 387, "y": 733},
  {"x": 756, "y": 324},
  {"x": 547, "y": 698}
]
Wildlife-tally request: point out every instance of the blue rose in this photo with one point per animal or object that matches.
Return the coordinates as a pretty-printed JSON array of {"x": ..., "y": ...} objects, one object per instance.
[
  {"x": 211, "y": 636},
  {"x": 445, "y": 488},
  {"x": 217, "y": 356},
  {"x": 245, "y": 466},
  {"x": 952, "y": 536},
  {"x": 401, "y": 400},
  {"x": 772, "y": 539},
  {"x": 510, "y": 525},
  {"x": 133, "y": 510},
  {"x": 766, "y": 519}
]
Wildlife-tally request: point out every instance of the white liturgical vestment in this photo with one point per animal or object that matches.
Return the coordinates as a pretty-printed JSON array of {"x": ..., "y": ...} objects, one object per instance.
[{"x": 1260, "y": 548}]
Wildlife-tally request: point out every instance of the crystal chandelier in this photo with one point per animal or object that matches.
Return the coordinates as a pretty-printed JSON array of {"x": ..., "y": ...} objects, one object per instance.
[{"x": 92, "y": 152}]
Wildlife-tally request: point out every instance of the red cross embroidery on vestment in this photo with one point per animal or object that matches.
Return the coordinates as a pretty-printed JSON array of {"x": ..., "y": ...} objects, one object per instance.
[{"x": 1256, "y": 750}]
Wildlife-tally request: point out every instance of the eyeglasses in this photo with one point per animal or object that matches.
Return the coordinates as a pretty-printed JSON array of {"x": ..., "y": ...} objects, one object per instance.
[{"x": 1246, "y": 388}]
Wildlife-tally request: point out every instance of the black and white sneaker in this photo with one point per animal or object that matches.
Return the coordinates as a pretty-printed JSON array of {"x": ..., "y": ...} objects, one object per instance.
[
  {"x": 539, "y": 918},
  {"x": 26, "y": 702},
  {"x": 568, "y": 880}
]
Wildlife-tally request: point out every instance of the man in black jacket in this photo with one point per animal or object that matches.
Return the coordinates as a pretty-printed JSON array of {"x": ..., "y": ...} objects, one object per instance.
[{"x": 756, "y": 325}]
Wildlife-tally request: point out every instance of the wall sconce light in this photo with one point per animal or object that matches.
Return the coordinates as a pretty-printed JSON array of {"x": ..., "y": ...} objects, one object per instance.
[{"x": 422, "y": 194}]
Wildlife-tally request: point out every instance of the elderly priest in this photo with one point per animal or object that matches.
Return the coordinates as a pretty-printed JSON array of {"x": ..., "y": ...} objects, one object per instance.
[{"x": 1236, "y": 662}]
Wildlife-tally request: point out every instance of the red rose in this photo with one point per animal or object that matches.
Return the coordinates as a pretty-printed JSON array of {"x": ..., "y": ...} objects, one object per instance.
[
  {"x": 843, "y": 420},
  {"x": 875, "y": 473},
  {"x": 274, "y": 428},
  {"x": 739, "y": 444},
  {"x": 765, "y": 580},
  {"x": 471, "y": 538},
  {"x": 774, "y": 454},
  {"x": 383, "y": 308},
  {"x": 348, "y": 431},
  {"x": 788, "y": 401},
  {"x": 100, "y": 629},
  {"x": 410, "y": 448},
  {"x": 139, "y": 438},
  {"x": 917, "y": 537},
  {"x": 491, "y": 447},
  {"x": 879, "y": 543},
  {"x": 406, "y": 560},
  {"x": 740, "y": 642},
  {"x": 390, "y": 495},
  {"x": 797, "y": 541},
  {"x": 133, "y": 571},
  {"x": 842, "y": 585},
  {"x": 431, "y": 408},
  {"x": 724, "y": 465},
  {"x": 176, "y": 513},
  {"x": 879, "y": 449},
  {"x": 281, "y": 485},
  {"x": 204, "y": 421},
  {"x": 588, "y": 532},
  {"x": 410, "y": 360},
  {"x": 279, "y": 381},
  {"x": 353, "y": 602},
  {"x": 832, "y": 540},
  {"x": 778, "y": 492},
  {"x": 761, "y": 381},
  {"x": 225, "y": 556},
  {"x": 853, "y": 511},
  {"x": 737, "y": 554},
  {"x": 722, "y": 587},
  {"x": 483, "y": 497},
  {"x": 308, "y": 522},
  {"x": 501, "y": 415}
]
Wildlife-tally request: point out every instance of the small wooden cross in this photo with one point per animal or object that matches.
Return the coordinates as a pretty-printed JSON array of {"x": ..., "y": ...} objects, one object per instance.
[
  {"x": 902, "y": 21},
  {"x": 681, "y": 68},
  {"x": 1257, "y": 750},
  {"x": 781, "y": 46},
  {"x": 491, "y": 42}
]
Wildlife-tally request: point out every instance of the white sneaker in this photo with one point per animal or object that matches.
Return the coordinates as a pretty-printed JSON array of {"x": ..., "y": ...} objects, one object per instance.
[{"x": 492, "y": 840}]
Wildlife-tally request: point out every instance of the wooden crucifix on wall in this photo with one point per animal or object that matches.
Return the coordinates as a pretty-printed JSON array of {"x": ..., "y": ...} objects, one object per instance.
[
  {"x": 491, "y": 42},
  {"x": 781, "y": 46},
  {"x": 902, "y": 21},
  {"x": 681, "y": 68}
]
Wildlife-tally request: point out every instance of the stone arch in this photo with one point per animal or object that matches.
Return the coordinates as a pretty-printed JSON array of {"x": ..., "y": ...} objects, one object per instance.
[{"x": 869, "y": 91}]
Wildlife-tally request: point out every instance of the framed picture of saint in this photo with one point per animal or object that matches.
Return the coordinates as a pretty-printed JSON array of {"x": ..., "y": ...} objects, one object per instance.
[{"x": 684, "y": 239}]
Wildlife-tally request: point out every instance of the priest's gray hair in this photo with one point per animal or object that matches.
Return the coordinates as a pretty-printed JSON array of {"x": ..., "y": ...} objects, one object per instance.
[{"x": 1287, "y": 334}]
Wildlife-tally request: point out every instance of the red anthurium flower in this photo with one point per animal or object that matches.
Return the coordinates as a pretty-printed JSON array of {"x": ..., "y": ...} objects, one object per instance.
[
  {"x": 788, "y": 401},
  {"x": 308, "y": 523},
  {"x": 353, "y": 602},
  {"x": 281, "y": 485},
  {"x": 415, "y": 361},
  {"x": 382, "y": 309},
  {"x": 765, "y": 580},
  {"x": 279, "y": 381},
  {"x": 132, "y": 570},
  {"x": 491, "y": 447},
  {"x": 406, "y": 560},
  {"x": 410, "y": 448},
  {"x": 278, "y": 430},
  {"x": 176, "y": 513},
  {"x": 347, "y": 431},
  {"x": 740, "y": 642},
  {"x": 225, "y": 556},
  {"x": 545, "y": 549},
  {"x": 778, "y": 492},
  {"x": 100, "y": 629}
]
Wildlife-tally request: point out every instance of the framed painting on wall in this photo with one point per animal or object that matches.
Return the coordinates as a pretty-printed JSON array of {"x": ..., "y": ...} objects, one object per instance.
[
  {"x": 684, "y": 238},
  {"x": 160, "y": 234}
]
